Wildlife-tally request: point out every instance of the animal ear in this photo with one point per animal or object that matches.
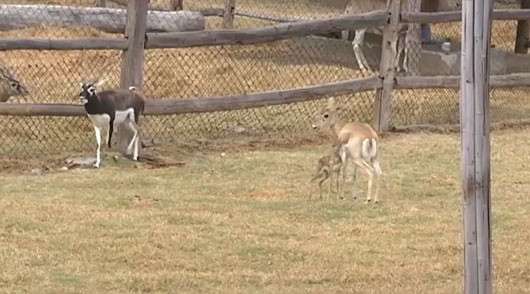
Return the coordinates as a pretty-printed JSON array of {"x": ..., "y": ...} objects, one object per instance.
[{"x": 5, "y": 73}]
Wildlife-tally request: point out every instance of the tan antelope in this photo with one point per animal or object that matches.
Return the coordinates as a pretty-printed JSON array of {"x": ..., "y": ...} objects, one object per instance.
[
  {"x": 327, "y": 166},
  {"x": 364, "y": 6},
  {"x": 359, "y": 143},
  {"x": 9, "y": 86}
]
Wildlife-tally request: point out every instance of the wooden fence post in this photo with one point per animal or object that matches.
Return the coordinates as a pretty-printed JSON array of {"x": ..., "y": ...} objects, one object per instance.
[
  {"x": 383, "y": 97},
  {"x": 523, "y": 31},
  {"x": 475, "y": 145},
  {"x": 413, "y": 41},
  {"x": 228, "y": 15},
  {"x": 133, "y": 57},
  {"x": 177, "y": 4}
]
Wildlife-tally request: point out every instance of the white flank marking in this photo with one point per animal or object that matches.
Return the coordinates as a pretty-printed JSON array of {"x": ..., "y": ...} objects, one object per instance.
[{"x": 122, "y": 115}]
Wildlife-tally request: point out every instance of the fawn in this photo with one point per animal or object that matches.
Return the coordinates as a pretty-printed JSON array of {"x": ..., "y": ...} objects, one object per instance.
[{"x": 328, "y": 165}]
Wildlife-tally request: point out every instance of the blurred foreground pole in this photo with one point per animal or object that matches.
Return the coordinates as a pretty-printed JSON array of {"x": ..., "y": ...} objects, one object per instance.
[{"x": 475, "y": 144}]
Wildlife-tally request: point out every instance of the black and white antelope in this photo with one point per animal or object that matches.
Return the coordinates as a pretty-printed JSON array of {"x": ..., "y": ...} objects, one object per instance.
[
  {"x": 9, "y": 86},
  {"x": 110, "y": 109}
]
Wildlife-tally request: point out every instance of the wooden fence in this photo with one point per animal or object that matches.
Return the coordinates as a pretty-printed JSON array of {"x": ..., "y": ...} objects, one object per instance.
[{"x": 137, "y": 40}]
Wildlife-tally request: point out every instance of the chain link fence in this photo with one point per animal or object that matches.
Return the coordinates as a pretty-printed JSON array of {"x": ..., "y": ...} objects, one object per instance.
[{"x": 54, "y": 76}]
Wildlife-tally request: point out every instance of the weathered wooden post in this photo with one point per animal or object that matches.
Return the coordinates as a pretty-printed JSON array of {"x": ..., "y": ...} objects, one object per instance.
[
  {"x": 383, "y": 97},
  {"x": 523, "y": 31},
  {"x": 177, "y": 4},
  {"x": 228, "y": 15},
  {"x": 133, "y": 57},
  {"x": 413, "y": 41},
  {"x": 475, "y": 145}
]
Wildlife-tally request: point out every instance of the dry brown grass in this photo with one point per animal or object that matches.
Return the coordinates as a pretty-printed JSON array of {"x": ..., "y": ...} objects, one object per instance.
[{"x": 242, "y": 223}]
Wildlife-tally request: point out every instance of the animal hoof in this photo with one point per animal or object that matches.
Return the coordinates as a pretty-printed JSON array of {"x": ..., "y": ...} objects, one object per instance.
[
  {"x": 96, "y": 165},
  {"x": 367, "y": 201}
]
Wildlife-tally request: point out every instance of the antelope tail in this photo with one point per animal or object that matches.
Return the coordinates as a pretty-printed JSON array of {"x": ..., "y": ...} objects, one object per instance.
[{"x": 369, "y": 149}]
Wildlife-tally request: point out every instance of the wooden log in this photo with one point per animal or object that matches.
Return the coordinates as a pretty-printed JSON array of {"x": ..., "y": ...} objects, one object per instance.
[
  {"x": 212, "y": 11},
  {"x": 149, "y": 6},
  {"x": 209, "y": 104},
  {"x": 267, "y": 34},
  {"x": 511, "y": 14},
  {"x": 454, "y": 16},
  {"x": 42, "y": 109},
  {"x": 475, "y": 146},
  {"x": 270, "y": 17},
  {"x": 383, "y": 96},
  {"x": 523, "y": 31},
  {"x": 232, "y": 102},
  {"x": 228, "y": 14},
  {"x": 434, "y": 82},
  {"x": 253, "y": 100},
  {"x": 63, "y": 44},
  {"x": 510, "y": 80},
  {"x": 133, "y": 58},
  {"x": 454, "y": 128},
  {"x": 244, "y": 101},
  {"x": 105, "y": 19},
  {"x": 431, "y": 17}
]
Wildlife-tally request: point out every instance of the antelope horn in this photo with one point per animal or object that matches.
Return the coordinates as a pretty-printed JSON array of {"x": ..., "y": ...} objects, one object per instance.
[
  {"x": 331, "y": 103},
  {"x": 101, "y": 82}
]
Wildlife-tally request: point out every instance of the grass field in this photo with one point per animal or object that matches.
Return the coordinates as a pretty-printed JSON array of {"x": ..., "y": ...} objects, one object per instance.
[{"x": 241, "y": 223}]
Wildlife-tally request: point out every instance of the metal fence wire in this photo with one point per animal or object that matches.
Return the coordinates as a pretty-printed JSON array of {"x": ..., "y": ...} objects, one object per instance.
[{"x": 54, "y": 76}]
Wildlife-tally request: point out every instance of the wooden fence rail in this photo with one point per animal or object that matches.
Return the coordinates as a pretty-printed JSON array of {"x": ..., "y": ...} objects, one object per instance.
[
  {"x": 454, "y": 16},
  {"x": 266, "y": 34},
  {"x": 207, "y": 38},
  {"x": 209, "y": 104},
  {"x": 63, "y": 44},
  {"x": 269, "y": 98},
  {"x": 433, "y": 82},
  {"x": 247, "y": 36},
  {"x": 277, "y": 18}
]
